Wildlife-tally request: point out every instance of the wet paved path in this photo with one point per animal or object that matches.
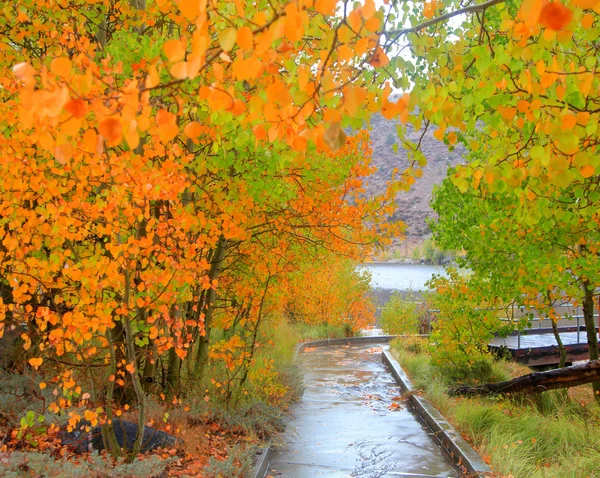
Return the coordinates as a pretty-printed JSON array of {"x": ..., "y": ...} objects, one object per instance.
[{"x": 349, "y": 423}]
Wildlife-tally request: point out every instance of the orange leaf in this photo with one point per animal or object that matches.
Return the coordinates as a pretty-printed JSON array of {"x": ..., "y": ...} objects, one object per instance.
[
  {"x": 77, "y": 108},
  {"x": 245, "y": 38},
  {"x": 179, "y": 70},
  {"x": 568, "y": 121},
  {"x": 555, "y": 16},
  {"x": 325, "y": 7},
  {"x": 379, "y": 58},
  {"x": 193, "y": 129},
  {"x": 586, "y": 4},
  {"x": 175, "y": 50},
  {"x": 189, "y": 8},
  {"x": 112, "y": 130},
  {"x": 259, "y": 132},
  {"x": 35, "y": 362},
  {"x": 587, "y": 21},
  {"x": 237, "y": 108},
  {"x": 130, "y": 367},
  {"x": 587, "y": 170},
  {"x": 61, "y": 66}
]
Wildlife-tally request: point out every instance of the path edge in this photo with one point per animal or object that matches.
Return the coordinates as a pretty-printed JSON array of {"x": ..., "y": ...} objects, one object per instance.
[
  {"x": 461, "y": 452},
  {"x": 263, "y": 459}
]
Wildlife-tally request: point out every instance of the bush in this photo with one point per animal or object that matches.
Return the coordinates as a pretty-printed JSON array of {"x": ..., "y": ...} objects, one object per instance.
[
  {"x": 404, "y": 315},
  {"x": 33, "y": 464},
  {"x": 238, "y": 464}
]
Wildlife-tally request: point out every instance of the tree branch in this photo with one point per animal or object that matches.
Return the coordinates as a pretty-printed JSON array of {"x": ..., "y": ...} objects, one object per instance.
[{"x": 471, "y": 8}]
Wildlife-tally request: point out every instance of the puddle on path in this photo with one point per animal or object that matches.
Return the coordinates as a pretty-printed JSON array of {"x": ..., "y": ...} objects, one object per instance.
[{"x": 353, "y": 422}]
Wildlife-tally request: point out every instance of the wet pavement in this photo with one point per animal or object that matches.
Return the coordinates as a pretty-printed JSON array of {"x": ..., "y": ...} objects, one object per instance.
[{"x": 353, "y": 422}]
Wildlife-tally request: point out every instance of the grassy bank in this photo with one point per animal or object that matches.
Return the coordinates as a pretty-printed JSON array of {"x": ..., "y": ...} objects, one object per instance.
[{"x": 552, "y": 434}]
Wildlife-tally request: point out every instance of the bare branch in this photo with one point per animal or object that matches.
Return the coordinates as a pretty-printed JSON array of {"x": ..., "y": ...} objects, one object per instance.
[{"x": 471, "y": 8}]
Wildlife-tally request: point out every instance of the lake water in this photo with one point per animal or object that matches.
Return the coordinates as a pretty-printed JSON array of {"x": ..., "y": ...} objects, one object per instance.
[{"x": 401, "y": 276}]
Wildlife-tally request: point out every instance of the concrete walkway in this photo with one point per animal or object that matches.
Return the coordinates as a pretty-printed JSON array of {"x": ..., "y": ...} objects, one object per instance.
[{"x": 350, "y": 423}]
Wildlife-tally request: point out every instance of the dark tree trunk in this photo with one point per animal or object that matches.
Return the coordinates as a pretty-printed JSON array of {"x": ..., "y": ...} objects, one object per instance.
[
  {"x": 538, "y": 381},
  {"x": 590, "y": 328}
]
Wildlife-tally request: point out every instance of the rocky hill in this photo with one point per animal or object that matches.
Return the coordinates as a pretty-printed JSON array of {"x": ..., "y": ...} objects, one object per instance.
[{"x": 413, "y": 205}]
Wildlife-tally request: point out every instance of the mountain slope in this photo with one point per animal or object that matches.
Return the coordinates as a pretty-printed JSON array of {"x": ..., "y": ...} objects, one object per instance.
[{"x": 413, "y": 205}]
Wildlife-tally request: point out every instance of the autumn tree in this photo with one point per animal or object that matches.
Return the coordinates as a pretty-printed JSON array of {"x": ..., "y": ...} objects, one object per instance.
[
  {"x": 151, "y": 153},
  {"x": 519, "y": 89}
]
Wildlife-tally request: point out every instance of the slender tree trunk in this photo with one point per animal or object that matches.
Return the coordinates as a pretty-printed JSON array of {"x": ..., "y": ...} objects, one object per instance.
[
  {"x": 101, "y": 33},
  {"x": 208, "y": 308},
  {"x": 135, "y": 376},
  {"x": 590, "y": 328},
  {"x": 561, "y": 346},
  {"x": 149, "y": 372},
  {"x": 108, "y": 432}
]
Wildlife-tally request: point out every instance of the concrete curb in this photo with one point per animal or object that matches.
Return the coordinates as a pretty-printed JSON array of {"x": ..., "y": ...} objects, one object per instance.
[
  {"x": 369, "y": 339},
  {"x": 463, "y": 454},
  {"x": 262, "y": 462}
]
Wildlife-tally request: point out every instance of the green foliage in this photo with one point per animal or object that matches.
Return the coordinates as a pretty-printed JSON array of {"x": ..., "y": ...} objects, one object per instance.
[
  {"x": 403, "y": 315},
  {"x": 416, "y": 254},
  {"x": 462, "y": 326},
  {"x": 322, "y": 331},
  {"x": 434, "y": 254}
]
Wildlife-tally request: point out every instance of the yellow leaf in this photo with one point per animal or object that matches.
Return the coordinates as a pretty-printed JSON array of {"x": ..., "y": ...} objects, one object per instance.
[{"x": 227, "y": 39}]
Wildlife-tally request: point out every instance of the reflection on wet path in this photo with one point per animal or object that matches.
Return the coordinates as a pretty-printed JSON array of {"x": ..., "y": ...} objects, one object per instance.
[{"x": 352, "y": 422}]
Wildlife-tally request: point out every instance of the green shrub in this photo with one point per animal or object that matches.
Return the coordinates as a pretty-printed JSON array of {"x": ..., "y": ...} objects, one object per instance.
[
  {"x": 39, "y": 465},
  {"x": 404, "y": 315}
]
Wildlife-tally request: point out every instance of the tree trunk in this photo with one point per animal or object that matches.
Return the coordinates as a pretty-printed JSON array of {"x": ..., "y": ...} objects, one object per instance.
[
  {"x": 538, "y": 381},
  {"x": 140, "y": 395},
  {"x": 173, "y": 373},
  {"x": 561, "y": 346},
  {"x": 590, "y": 328},
  {"x": 108, "y": 432},
  {"x": 208, "y": 308}
]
